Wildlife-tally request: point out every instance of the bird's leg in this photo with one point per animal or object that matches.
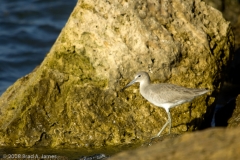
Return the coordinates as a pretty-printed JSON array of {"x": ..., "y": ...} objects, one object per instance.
[
  {"x": 170, "y": 121},
  {"x": 165, "y": 125}
]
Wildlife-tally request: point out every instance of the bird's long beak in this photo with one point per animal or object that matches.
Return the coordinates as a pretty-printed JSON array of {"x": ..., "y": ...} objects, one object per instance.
[{"x": 129, "y": 84}]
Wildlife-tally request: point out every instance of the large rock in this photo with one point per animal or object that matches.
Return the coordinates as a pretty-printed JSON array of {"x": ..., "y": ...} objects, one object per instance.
[
  {"x": 72, "y": 99},
  {"x": 214, "y": 144}
]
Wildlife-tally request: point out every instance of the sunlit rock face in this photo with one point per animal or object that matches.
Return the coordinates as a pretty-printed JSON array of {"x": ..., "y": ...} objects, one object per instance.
[{"x": 73, "y": 98}]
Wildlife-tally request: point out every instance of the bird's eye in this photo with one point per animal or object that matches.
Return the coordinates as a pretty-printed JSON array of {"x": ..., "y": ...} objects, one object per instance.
[{"x": 139, "y": 75}]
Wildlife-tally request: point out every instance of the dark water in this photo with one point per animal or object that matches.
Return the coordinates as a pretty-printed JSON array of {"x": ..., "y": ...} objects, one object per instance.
[
  {"x": 28, "y": 29},
  {"x": 81, "y": 153},
  {"x": 31, "y": 153}
]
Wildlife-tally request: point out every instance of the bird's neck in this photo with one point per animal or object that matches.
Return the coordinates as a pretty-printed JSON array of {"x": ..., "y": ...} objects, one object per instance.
[{"x": 145, "y": 83}]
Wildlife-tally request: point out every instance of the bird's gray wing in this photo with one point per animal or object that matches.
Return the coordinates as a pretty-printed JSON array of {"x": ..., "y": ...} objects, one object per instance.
[{"x": 165, "y": 93}]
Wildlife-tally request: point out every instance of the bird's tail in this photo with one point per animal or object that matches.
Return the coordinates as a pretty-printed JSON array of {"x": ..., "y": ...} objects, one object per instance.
[{"x": 201, "y": 91}]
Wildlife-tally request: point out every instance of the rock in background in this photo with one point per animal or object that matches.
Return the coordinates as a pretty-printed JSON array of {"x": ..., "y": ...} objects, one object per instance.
[
  {"x": 227, "y": 110},
  {"x": 72, "y": 99}
]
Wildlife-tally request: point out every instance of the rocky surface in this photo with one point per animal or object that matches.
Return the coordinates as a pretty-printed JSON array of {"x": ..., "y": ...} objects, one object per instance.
[
  {"x": 231, "y": 89},
  {"x": 234, "y": 121},
  {"x": 214, "y": 144},
  {"x": 72, "y": 99},
  {"x": 231, "y": 12}
]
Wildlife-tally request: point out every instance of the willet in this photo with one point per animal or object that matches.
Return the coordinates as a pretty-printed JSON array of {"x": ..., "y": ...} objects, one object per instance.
[{"x": 164, "y": 95}]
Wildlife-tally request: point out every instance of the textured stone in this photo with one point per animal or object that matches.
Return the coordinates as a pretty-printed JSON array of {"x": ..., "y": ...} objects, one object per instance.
[
  {"x": 234, "y": 121},
  {"x": 72, "y": 99},
  {"x": 214, "y": 144},
  {"x": 231, "y": 11}
]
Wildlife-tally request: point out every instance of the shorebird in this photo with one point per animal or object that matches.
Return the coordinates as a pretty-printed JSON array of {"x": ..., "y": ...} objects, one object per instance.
[{"x": 164, "y": 95}]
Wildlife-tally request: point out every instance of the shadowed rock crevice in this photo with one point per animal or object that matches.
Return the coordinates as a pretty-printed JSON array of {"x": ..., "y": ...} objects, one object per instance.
[{"x": 225, "y": 105}]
